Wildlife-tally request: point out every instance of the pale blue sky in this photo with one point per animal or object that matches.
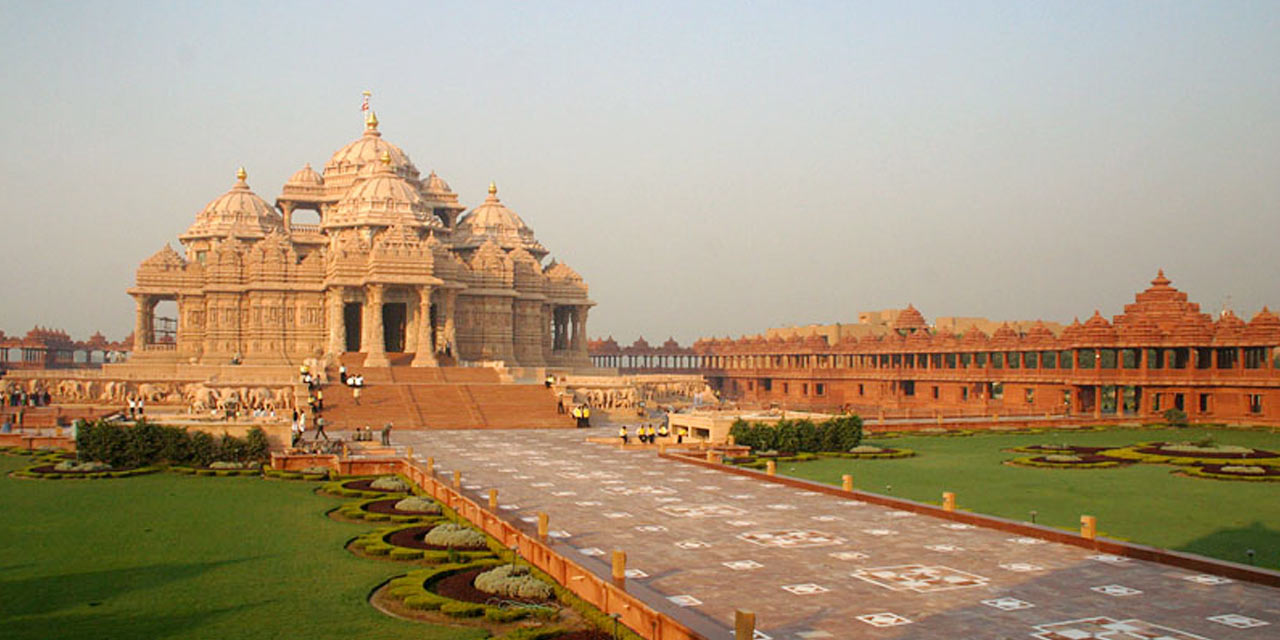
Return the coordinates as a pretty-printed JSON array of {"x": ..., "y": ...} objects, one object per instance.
[{"x": 710, "y": 168}]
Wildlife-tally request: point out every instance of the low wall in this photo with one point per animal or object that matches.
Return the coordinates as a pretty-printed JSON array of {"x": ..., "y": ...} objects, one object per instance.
[
  {"x": 33, "y": 442},
  {"x": 278, "y": 435},
  {"x": 1202, "y": 564},
  {"x": 590, "y": 580}
]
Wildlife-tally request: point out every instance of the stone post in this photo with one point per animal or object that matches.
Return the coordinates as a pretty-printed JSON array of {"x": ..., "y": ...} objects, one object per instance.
[
  {"x": 493, "y": 500},
  {"x": 771, "y": 467},
  {"x": 544, "y": 525},
  {"x": 846, "y": 482},
  {"x": 457, "y": 479},
  {"x": 619, "y": 565},
  {"x": 1088, "y": 527},
  {"x": 450, "y": 330},
  {"x": 431, "y": 465},
  {"x": 744, "y": 625},
  {"x": 408, "y": 454},
  {"x": 337, "y": 323},
  {"x": 425, "y": 355},
  {"x": 377, "y": 347},
  {"x": 948, "y": 501}
]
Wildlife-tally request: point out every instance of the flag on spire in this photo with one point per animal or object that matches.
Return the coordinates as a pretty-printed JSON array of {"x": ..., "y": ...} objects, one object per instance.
[{"x": 364, "y": 106}]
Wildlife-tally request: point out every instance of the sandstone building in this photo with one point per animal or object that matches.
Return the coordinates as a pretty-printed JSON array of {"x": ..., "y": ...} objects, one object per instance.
[{"x": 395, "y": 266}]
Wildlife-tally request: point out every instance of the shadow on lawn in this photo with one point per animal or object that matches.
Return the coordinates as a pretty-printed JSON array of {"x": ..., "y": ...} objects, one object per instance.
[
  {"x": 44, "y": 594},
  {"x": 1232, "y": 545},
  {"x": 115, "y": 626}
]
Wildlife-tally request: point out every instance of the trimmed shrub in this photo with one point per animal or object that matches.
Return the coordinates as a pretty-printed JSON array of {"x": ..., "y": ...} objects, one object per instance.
[
  {"x": 223, "y": 464},
  {"x": 455, "y": 536},
  {"x": 390, "y": 484},
  {"x": 1175, "y": 417},
  {"x": 513, "y": 581},
  {"x": 458, "y": 609},
  {"x": 799, "y": 436},
  {"x": 71, "y": 465},
  {"x": 418, "y": 503}
]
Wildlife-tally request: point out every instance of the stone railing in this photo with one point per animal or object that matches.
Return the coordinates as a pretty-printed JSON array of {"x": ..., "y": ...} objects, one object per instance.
[{"x": 304, "y": 228}]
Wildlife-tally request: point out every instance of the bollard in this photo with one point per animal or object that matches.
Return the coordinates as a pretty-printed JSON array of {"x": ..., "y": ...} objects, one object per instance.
[
  {"x": 1088, "y": 527},
  {"x": 58, "y": 432},
  {"x": 345, "y": 452},
  {"x": 730, "y": 440},
  {"x": 846, "y": 482},
  {"x": 713, "y": 457},
  {"x": 408, "y": 453},
  {"x": 744, "y": 625},
  {"x": 619, "y": 565},
  {"x": 543, "y": 525},
  {"x": 493, "y": 499},
  {"x": 662, "y": 448},
  {"x": 939, "y": 419},
  {"x": 948, "y": 501},
  {"x": 457, "y": 479},
  {"x": 431, "y": 466},
  {"x": 771, "y": 467}
]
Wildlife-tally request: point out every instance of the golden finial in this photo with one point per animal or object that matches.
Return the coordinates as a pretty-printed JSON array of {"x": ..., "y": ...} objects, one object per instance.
[
  {"x": 372, "y": 121},
  {"x": 241, "y": 174},
  {"x": 386, "y": 158},
  {"x": 493, "y": 189},
  {"x": 366, "y": 93}
]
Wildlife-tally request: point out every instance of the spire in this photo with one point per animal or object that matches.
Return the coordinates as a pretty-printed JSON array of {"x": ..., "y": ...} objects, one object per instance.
[
  {"x": 371, "y": 122},
  {"x": 241, "y": 174},
  {"x": 386, "y": 159},
  {"x": 493, "y": 188}
]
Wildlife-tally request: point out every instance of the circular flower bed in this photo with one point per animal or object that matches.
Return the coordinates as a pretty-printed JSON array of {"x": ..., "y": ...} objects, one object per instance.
[
  {"x": 1246, "y": 472},
  {"x": 450, "y": 589},
  {"x": 1189, "y": 453},
  {"x": 871, "y": 452},
  {"x": 310, "y": 473},
  {"x": 415, "y": 542},
  {"x": 222, "y": 469},
  {"x": 67, "y": 469},
  {"x": 1067, "y": 461},
  {"x": 410, "y": 509},
  {"x": 379, "y": 487}
]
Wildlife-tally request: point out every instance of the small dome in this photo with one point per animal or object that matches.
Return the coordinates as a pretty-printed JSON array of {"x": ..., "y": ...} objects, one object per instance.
[
  {"x": 306, "y": 177},
  {"x": 384, "y": 199},
  {"x": 909, "y": 319},
  {"x": 434, "y": 185},
  {"x": 493, "y": 220},
  {"x": 238, "y": 212}
]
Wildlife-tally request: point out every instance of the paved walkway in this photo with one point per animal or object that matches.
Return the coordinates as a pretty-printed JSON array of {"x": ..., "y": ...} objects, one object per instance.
[{"x": 815, "y": 566}]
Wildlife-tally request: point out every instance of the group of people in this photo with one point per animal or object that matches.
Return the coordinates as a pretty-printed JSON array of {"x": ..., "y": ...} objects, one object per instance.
[
  {"x": 582, "y": 416},
  {"x": 646, "y": 434},
  {"x": 20, "y": 398},
  {"x": 315, "y": 405},
  {"x": 366, "y": 434},
  {"x": 356, "y": 382},
  {"x": 136, "y": 408}
]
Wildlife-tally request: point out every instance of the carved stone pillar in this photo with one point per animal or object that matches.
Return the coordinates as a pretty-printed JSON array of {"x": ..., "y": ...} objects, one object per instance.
[
  {"x": 424, "y": 354},
  {"x": 377, "y": 347},
  {"x": 142, "y": 323},
  {"x": 579, "y": 341},
  {"x": 337, "y": 323},
  {"x": 450, "y": 344},
  {"x": 287, "y": 209}
]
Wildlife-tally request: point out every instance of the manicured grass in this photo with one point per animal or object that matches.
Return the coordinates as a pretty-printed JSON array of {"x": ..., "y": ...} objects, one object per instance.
[
  {"x": 169, "y": 556},
  {"x": 1141, "y": 503}
]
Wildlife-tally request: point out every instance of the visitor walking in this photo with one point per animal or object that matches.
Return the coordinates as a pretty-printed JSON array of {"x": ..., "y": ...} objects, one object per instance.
[
  {"x": 319, "y": 399},
  {"x": 139, "y": 407},
  {"x": 386, "y": 434},
  {"x": 133, "y": 408},
  {"x": 296, "y": 434},
  {"x": 342, "y": 374},
  {"x": 622, "y": 433},
  {"x": 320, "y": 429}
]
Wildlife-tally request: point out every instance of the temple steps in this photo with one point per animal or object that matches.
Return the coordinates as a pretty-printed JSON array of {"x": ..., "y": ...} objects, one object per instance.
[{"x": 440, "y": 398}]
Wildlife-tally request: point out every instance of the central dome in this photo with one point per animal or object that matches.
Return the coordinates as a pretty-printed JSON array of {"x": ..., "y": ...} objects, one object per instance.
[
  {"x": 383, "y": 199},
  {"x": 344, "y": 167}
]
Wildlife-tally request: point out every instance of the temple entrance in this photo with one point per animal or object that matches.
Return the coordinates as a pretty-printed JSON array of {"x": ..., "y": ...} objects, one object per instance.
[
  {"x": 394, "y": 316},
  {"x": 351, "y": 315}
]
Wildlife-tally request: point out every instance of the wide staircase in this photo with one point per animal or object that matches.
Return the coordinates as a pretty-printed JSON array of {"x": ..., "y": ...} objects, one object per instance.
[{"x": 437, "y": 398}]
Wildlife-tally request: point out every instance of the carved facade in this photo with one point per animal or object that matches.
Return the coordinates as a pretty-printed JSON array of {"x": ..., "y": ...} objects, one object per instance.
[{"x": 392, "y": 268}]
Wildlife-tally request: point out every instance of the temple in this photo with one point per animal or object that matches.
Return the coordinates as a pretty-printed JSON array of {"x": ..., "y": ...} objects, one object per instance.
[
  {"x": 394, "y": 268},
  {"x": 1161, "y": 353}
]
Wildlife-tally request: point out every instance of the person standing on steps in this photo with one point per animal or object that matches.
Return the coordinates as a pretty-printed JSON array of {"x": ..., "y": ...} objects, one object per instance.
[
  {"x": 319, "y": 399},
  {"x": 622, "y": 433},
  {"x": 386, "y": 434},
  {"x": 320, "y": 429},
  {"x": 342, "y": 374}
]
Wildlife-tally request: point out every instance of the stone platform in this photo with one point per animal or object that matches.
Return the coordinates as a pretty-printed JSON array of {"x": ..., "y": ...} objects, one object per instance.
[{"x": 816, "y": 566}]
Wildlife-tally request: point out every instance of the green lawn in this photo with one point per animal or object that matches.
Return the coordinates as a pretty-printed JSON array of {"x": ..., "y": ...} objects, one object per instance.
[
  {"x": 1142, "y": 503},
  {"x": 169, "y": 556}
]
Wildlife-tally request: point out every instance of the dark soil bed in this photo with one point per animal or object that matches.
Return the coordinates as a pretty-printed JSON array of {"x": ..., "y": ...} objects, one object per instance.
[
  {"x": 1052, "y": 449},
  {"x": 459, "y": 586},
  {"x": 411, "y": 538},
  {"x": 388, "y": 506},
  {"x": 363, "y": 485},
  {"x": 584, "y": 635}
]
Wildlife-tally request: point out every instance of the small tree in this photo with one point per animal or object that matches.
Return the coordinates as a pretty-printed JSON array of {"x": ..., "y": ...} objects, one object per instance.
[
  {"x": 256, "y": 446},
  {"x": 1176, "y": 417},
  {"x": 203, "y": 449}
]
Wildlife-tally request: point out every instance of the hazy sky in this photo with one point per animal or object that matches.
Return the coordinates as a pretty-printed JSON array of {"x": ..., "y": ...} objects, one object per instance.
[{"x": 708, "y": 168}]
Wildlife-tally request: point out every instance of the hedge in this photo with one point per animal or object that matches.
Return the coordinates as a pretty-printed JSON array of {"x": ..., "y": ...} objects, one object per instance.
[
  {"x": 335, "y": 488},
  {"x": 1131, "y": 453},
  {"x": 1201, "y": 472},
  {"x": 145, "y": 443},
  {"x": 284, "y": 474},
  {"x": 30, "y": 472},
  {"x": 837, "y": 434},
  {"x": 1033, "y": 461}
]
